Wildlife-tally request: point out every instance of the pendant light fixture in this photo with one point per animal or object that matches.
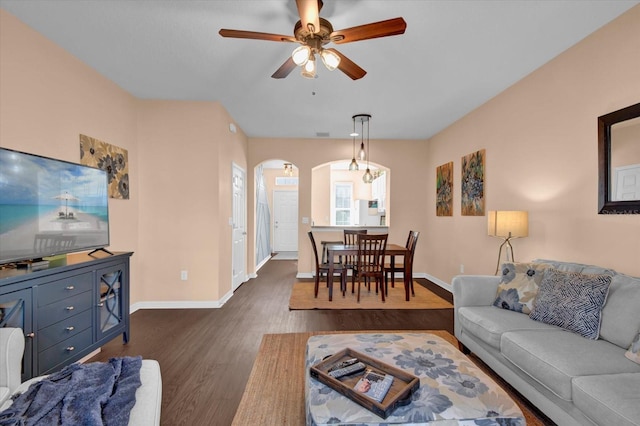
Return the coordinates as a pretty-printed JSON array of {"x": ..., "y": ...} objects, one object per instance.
[
  {"x": 362, "y": 118},
  {"x": 353, "y": 166}
]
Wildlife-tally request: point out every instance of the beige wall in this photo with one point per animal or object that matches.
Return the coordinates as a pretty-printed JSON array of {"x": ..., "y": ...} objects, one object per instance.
[
  {"x": 540, "y": 137},
  {"x": 180, "y": 160},
  {"x": 186, "y": 202},
  {"x": 48, "y": 97}
]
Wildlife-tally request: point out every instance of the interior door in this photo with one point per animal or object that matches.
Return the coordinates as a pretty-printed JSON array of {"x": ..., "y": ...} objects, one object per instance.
[
  {"x": 627, "y": 180},
  {"x": 239, "y": 232},
  {"x": 285, "y": 221}
]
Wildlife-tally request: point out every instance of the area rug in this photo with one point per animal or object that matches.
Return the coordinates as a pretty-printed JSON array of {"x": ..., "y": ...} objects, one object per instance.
[
  {"x": 274, "y": 394},
  {"x": 302, "y": 298}
]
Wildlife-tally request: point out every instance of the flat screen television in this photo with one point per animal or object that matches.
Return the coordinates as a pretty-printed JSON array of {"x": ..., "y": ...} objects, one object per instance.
[{"x": 50, "y": 207}]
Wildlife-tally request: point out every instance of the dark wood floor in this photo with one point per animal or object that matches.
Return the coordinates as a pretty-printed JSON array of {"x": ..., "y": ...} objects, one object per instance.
[{"x": 206, "y": 355}]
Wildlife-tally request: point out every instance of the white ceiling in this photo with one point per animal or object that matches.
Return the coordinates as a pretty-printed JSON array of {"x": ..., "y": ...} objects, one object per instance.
[{"x": 453, "y": 57}]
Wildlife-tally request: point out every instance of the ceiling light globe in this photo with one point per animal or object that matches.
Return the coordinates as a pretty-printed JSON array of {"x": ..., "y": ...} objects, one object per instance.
[
  {"x": 353, "y": 166},
  {"x": 300, "y": 55},
  {"x": 330, "y": 59},
  {"x": 309, "y": 69}
]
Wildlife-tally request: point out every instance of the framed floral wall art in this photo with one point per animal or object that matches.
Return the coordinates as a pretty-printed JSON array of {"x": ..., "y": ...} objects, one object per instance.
[
  {"x": 444, "y": 189},
  {"x": 110, "y": 158},
  {"x": 473, "y": 184}
]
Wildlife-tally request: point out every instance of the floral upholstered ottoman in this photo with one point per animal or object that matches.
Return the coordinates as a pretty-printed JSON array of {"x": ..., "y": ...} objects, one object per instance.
[{"x": 453, "y": 391}]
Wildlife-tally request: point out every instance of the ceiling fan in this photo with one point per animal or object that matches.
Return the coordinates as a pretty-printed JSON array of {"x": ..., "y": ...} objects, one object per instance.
[{"x": 313, "y": 32}]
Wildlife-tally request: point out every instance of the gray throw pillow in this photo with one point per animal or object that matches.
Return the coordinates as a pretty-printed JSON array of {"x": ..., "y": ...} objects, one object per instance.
[{"x": 572, "y": 300}]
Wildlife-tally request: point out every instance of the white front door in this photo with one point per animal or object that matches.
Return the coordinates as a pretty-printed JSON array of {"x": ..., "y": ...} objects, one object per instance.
[
  {"x": 627, "y": 183},
  {"x": 285, "y": 221},
  {"x": 239, "y": 232}
]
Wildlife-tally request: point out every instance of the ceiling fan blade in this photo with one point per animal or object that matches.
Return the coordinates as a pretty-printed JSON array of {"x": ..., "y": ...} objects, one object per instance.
[
  {"x": 386, "y": 28},
  {"x": 285, "y": 69},
  {"x": 349, "y": 67},
  {"x": 256, "y": 35},
  {"x": 309, "y": 11}
]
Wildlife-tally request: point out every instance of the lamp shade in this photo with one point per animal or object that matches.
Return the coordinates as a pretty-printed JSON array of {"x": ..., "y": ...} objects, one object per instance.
[{"x": 508, "y": 223}]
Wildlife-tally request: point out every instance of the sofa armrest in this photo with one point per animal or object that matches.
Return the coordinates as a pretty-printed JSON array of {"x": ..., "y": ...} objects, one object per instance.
[
  {"x": 472, "y": 290},
  {"x": 11, "y": 351}
]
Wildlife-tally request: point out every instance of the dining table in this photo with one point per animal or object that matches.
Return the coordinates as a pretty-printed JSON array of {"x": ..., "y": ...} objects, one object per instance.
[{"x": 391, "y": 250}]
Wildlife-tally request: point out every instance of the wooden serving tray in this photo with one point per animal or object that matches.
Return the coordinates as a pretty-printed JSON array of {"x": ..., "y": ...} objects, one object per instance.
[{"x": 404, "y": 384}]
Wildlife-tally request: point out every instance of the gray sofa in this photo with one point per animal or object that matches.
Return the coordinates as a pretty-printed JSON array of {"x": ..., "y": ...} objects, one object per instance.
[
  {"x": 146, "y": 410},
  {"x": 572, "y": 379}
]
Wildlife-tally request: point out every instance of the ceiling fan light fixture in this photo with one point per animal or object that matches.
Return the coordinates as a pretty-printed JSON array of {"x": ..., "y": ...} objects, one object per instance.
[
  {"x": 309, "y": 69},
  {"x": 301, "y": 55},
  {"x": 330, "y": 59}
]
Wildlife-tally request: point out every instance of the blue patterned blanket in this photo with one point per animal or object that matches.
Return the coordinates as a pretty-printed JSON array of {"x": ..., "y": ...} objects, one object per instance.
[{"x": 81, "y": 394}]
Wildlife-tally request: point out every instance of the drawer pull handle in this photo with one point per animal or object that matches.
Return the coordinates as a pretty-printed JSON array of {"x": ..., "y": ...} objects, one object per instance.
[
  {"x": 100, "y": 305},
  {"x": 69, "y": 308},
  {"x": 70, "y": 349},
  {"x": 31, "y": 335},
  {"x": 70, "y": 328},
  {"x": 70, "y": 287}
]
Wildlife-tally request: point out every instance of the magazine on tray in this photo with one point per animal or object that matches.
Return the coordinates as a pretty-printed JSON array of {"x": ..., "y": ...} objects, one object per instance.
[{"x": 374, "y": 385}]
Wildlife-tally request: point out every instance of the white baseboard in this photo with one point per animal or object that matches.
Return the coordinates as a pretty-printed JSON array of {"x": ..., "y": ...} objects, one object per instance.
[
  {"x": 182, "y": 304},
  {"x": 434, "y": 280}
]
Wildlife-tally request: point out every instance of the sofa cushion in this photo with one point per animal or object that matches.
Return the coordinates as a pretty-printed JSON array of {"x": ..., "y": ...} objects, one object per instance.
[
  {"x": 620, "y": 319},
  {"x": 609, "y": 399},
  {"x": 519, "y": 285},
  {"x": 488, "y": 323},
  {"x": 554, "y": 358},
  {"x": 634, "y": 350},
  {"x": 572, "y": 300}
]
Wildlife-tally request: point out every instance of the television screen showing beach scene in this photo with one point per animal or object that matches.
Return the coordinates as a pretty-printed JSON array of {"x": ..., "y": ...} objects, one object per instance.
[{"x": 50, "y": 207}]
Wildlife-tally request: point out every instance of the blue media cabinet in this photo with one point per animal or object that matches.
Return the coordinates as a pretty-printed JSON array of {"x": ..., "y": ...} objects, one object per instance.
[{"x": 67, "y": 310}]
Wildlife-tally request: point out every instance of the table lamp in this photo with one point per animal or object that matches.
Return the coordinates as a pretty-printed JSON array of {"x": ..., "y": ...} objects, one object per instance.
[{"x": 508, "y": 224}]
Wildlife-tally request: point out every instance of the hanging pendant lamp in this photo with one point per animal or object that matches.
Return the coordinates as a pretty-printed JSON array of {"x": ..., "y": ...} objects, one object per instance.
[
  {"x": 367, "y": 177},
  {"x": 353, "y": 166}
]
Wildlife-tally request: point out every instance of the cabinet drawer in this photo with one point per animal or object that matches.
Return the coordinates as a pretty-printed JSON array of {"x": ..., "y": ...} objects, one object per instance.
[
  {"x": 64, "y": 350},
  {"x": 61, "y": 289},
  {"x": 64, "y": 329},
  {"x": 67, "y": 308}
]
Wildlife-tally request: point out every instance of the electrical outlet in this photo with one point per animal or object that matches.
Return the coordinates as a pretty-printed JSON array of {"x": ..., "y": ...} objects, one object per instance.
[
  {"x": 461, "y": 268},
  {"x": 184, "y": 275}
]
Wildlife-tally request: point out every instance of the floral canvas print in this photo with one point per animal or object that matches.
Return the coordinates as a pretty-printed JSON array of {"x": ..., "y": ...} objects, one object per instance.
[
  {"x": 473, "y": 184},
  {"x": 444, "y": 190},
  {"x": 110, "y": 158}
]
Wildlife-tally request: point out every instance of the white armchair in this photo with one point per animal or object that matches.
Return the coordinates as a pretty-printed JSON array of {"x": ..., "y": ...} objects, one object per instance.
[
  {"x": 11, "y": 350},
  {"x": 146, "y": 410}
]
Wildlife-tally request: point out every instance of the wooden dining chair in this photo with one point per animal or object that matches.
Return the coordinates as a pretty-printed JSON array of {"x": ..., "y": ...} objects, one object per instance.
[
  {"x": 370, "y": 261},
  {"x": 391, "y": 269},
  {"x": 351, "y": 239},
  {"x": 323, "y": 269}
]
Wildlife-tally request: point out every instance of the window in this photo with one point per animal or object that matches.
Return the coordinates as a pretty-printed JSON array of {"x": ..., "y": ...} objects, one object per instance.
[
  {"x": 286, "y": 180},
  {"x": 342, "y": 203}
]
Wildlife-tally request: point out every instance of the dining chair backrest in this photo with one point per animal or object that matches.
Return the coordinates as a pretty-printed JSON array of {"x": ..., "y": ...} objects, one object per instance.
[
  {"x": 351, "y": 236},
  {"x": 351, "y": 239},
  {"x": 412, "y": 241},
  {"x": 315, "y": 250},
  {"x": 371, "y": 248}
]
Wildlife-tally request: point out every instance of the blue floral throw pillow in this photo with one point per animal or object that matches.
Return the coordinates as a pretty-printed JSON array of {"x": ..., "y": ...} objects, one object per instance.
[
  {"x": 519, "y": 286},
  {"x": 634, "y": 350},
  {"x": 572, "y": 301}
]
